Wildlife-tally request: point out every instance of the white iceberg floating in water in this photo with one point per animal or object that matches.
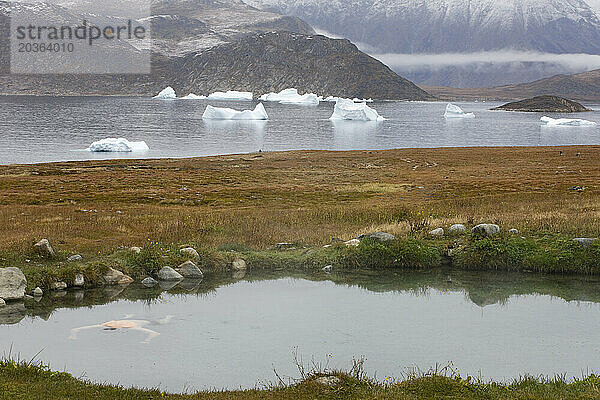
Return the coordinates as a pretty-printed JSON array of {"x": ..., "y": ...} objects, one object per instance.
[
  {"x": 454, "y": 111},
  {"x": 348, "y": 110},
  {"x": 120, "y": 145},
  {"x": 291, "y": 96},
  {"x": 259, "y": 113},
  {"x": 166, "y": 94},
  {"x": 193, "y": 96},
  {"x": 231, "y": 95},
  {"x": 566, "y": 122}
]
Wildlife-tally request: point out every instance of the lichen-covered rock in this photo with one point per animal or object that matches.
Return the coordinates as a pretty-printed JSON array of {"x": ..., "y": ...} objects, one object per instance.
[
  {"x": 38, "y": 292},
  {"x": 58, "y": 286},
  {"x": 239, "y": 265},
  {"x": 168, "y": 274},
  {"x": 378, "y": 236},
  {"x": 74, "y": 258},
  {"x": 486, "y": 229},
  {"x": 190, "y": 270},
  {"x": 12, "y": 284},
  {"x": 457, "y": 228},
  {"x": 149, "y": 282},
  {"x": 190, "y": 252},
  {"x": 114, "y": 277},
  {"x": 438, "y": 233},
  {"x": 44, "y": 249}
]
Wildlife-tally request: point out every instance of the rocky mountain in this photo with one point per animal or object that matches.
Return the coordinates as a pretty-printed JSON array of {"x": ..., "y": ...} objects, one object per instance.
[
  {"x": 544, "y": 104},
  {"x": 202, "y": 46},
  {"x": 457, "y": 26},
  {"x": 582, "y": 87}
]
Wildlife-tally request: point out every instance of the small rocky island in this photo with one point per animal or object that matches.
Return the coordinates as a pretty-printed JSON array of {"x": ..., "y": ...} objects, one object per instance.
[{"x": 544, "y": 104}]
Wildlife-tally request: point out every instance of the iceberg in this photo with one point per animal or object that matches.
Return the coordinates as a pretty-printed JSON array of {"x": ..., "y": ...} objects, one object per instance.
[
  {"x": 193, "y": 96},
  {"x": 231, "y": 95},
  {"x": 348, "y": 110},
  {"x": 259, "y": 113},
  {"x": 166, "y": 94},
  {"x": 547, "y": 121},
  {"x": 453, "y": 111},
  {"x": 120, "y": 145},
  {"x": 291, "y": 96}
]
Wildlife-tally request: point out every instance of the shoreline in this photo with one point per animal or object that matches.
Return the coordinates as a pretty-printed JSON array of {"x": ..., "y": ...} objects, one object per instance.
[{"x": 34, "y": 380}]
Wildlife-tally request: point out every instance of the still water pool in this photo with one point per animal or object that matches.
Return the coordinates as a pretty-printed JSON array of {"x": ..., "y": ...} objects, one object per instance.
[{"x": 231, "y": 333}]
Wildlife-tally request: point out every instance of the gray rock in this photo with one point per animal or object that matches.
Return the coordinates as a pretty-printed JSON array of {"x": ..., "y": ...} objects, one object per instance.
[
  {"x": 2, "y": 303},
  {"x": 74, "y": 257},
  {"x": 486, "y": 229},
  {"x": 439, "y": 232},
  {"x": 135, "y": 249},
  {"x": 190, "y": 252},
  {"x": 585, "y": 242},
  {"x": 513, "y": 231},
  {"x": 38, "y": 292},
  {"x": 328, "y": 381},
  {"x": 12, "y": 284},
  {"x": 168, "y": 274},
  {"x": 457, "y": 228},
  {"x": 378, "y": 236},
  {"x": 79, "y": 280},
  {"x": 352, "y": 243},
  {"x": 44, "y": 249},
  {"x": 58, "y": 286},
  {"x": 114, "y": 277},
  {"x": 239, "y": 265},
  {"x": 149, "y": 282},
  {"x": 189, "y": 270},
  {"x": 328, "y": 269}
]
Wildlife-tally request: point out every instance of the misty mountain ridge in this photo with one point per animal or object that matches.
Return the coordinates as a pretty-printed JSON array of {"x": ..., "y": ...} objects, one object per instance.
[{"x": 454, "y": 26}]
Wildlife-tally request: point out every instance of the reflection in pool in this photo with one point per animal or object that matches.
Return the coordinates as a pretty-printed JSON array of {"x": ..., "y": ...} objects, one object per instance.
[{"x": 227, "y": 333}]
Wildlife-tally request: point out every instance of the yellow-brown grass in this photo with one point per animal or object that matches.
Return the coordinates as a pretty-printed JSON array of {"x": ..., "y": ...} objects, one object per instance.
[{"x": 302, "y": 196}]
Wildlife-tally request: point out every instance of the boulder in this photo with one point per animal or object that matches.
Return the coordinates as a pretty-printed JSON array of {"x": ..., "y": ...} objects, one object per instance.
[
  {"x": 438, "y": 233},
  {"x": 329, "y": 380},
  {"x": 44, "y": 249},
  {"x": 584, "y": 242},
  {"x": 486, "y": 229},
  {"x": 328, "y": 269},
  {"x": 74, "y": 258},
  {"x": 79, "y": 280},
  {"x": 149, "y": 282},
  {"x": 38, "y": 292},
  {"x": 378, "y": 236},
  {"x": 58, "y": 285},
  {"x": 189, "y": 270},
  {"x": 114, "y": 277},
  {"x": 12, "y": 284},
  {"x": 190, "y": 252},
  {"x": 457, "y": 228},
  {"x": 168, "y": 274},
  {"x": 239, "y": 265},
  {"x": 352, "y": 242},
  {"x": 136, "y": 250}
]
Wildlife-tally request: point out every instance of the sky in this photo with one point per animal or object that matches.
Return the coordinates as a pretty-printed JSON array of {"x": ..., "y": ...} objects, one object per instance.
[{"x": 595, "y": 4}]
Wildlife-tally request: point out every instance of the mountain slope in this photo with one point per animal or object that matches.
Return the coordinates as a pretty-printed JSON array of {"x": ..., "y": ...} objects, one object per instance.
[
  {"x": 458, "y": 26},
  {"x": 435, "y": 26},
  {"x": 204, "y": 46},
  {"x": 582, "y": 87}
]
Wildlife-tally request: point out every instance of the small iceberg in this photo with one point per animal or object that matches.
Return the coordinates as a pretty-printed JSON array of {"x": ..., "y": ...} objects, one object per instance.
[
  {"x": 348, "y": 110},
  {"x": 120, "y": 145},
  {"x": 193, "y": 96},
  {"x": 291, "y": 96},
  {"x": 166, "y": 94},
  {"x": 547, "y": 121},
  {"x": 231, "y": 95},
  {"x": 454, "y": 111},
  {"x": 259, "y": 113}
]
